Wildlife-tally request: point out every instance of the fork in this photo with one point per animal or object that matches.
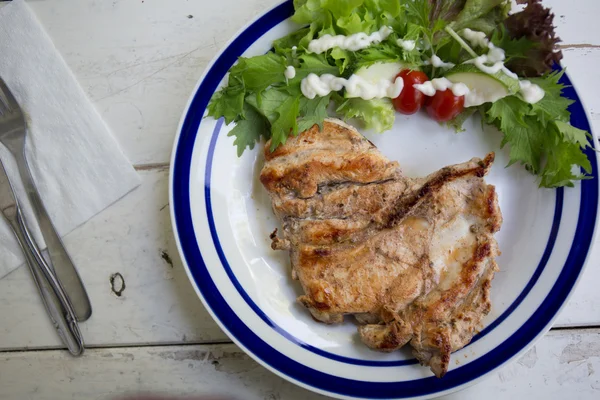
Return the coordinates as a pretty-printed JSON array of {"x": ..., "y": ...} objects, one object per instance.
[
  {"x": 56, "y": 301},
  {"x": 13, "y": 132}
]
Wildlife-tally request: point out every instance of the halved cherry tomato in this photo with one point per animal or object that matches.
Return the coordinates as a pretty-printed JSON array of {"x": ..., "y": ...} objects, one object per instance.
[
  {"x": 410, "y": 100},
  {"x": 444, "y": 105}
]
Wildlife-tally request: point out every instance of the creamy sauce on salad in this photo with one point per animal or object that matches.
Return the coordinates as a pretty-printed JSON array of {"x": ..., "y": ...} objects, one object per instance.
[
  {"x": 356, "y": 86},
  {"x": 290, "y": 72},
  {"x": 438, "y": 63},
  {"x": 314, "y": 85},
  {"x": 355, "y": 42},
  {"x": 477, "y": 39},
  {"x": 530, "y": 92},
  {"x": 430, "y": 87},
  {"x": 407, "y": 45},
  {"x": 482, "y": 62}
]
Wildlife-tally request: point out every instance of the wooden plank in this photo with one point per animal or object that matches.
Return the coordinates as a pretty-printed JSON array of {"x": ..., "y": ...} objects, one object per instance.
[
  {"x": 563, "y": 364},
  {"x": 141, "y": 72},
  {"x": 140, "y": 76},
  {"x": 586, "y": 79},
  {"x": 132, "y": 238},
  {"x": 570, "y": 16},
  {"x": 158, "y": 304}
]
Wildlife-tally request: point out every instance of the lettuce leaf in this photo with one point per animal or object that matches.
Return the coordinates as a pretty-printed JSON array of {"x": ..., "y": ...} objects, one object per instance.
[
  {"x": 258, "y": 73},
  {"x": 481, "y": 15},
  {"x": 265, "y": 104},
  {"x": 377, "y": 114},
  {"x": 248, "y": 130},
  {"x": 539, "y": 135},
  {"x": 346, "y": 17},
  {"x": 259, "y": 98},
  {"x": 228, "y": 102},
  {"x": 536, "y": 25}
]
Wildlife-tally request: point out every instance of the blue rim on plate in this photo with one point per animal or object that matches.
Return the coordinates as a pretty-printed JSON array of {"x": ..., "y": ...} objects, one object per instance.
[{"x": 236, "y": 328}]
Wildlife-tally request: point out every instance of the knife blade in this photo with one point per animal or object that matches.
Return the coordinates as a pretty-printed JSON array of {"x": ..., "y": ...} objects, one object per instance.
[{"x": 55, "y": 300}]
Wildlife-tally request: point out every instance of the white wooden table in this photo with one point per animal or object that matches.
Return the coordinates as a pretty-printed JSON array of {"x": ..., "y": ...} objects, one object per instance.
[{"x": 156, "y": 335}]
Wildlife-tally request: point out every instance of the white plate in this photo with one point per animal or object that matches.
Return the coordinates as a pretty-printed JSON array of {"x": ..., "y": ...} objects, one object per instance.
[{"x": 222, "y": 219}]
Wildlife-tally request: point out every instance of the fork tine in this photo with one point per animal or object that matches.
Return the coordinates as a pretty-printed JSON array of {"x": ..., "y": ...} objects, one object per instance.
[{"x": 7, "y": 94}]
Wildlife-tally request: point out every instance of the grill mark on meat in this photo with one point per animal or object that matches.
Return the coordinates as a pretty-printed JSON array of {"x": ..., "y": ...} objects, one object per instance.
[
  {"x": 304, "y": 179},
  {"x": 365, "y": 247},
  {"x": 329, "y": 187},
  {"x": 469, "y": 277},
  {"x": 444, "y": 176},
  {"x": 440, "y": 330},
  {"x": 322, "y": 252},
  {"x": 357, "y": 199}
]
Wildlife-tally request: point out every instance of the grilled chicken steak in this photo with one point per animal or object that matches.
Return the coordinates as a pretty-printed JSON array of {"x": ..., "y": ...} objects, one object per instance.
[{"x": 411, "y": 259}]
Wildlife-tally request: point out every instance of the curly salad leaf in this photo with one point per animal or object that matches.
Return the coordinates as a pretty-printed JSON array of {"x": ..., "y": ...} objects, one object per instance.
[
  {"x": 540, "y": 136},
  {"x": 263, "y": 103}
]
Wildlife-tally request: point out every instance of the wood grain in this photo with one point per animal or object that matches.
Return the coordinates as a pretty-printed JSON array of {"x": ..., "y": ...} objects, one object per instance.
[
  {"x": 139, "y": 74},
  {"x": 563, "y": 364},
  {"x": 132, "y": 238}
]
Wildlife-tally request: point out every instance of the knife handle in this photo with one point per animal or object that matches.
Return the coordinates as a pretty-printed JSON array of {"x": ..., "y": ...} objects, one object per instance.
[{"x": 55, "y": 300}]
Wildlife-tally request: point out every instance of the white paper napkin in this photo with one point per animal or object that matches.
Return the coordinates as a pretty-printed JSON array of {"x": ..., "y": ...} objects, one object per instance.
[{"x": 78, "y": 167}]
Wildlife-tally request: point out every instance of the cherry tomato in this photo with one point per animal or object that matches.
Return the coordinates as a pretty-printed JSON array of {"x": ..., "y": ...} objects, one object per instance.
[
  {"x": 410, "y": 100},
  {"x": 444, "y": 105}
]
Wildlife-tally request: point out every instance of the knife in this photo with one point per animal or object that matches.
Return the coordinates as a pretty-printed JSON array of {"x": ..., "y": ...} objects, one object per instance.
[{"x": 55, "y": 300}]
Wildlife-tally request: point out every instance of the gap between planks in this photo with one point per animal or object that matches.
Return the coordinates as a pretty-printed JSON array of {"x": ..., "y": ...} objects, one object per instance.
[
  {"x": 151, "y": 167},
  {"x": 121, "y": 346},
  {"x": 566, "y": 329},
  {"x": 578, "y": 46}
]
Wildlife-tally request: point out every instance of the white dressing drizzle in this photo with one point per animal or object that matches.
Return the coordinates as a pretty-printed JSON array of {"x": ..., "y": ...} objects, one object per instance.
[
  {"x": 477, "y": 39},
  {"x": 314, "y": 85},
  {"x": 290, "y": 72},
  {"x": 438, "y": 63},
  {"x": 482, "y": 62},
  {"x": 356, "y": 86},
  {"x": 407, "y": 45},
  {"x": 353, "y": 42},
  {"x": 531, "y": 92},
  {"x": 493, "y": 62},
  {"x": 430, "y": 87}
]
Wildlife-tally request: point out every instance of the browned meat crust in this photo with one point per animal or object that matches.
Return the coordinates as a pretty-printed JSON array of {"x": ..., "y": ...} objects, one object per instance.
[{"x": 413, "y": 259}]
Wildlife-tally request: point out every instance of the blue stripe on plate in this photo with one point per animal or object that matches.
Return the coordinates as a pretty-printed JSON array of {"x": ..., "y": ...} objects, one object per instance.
[{"x": 287, "y": 366}]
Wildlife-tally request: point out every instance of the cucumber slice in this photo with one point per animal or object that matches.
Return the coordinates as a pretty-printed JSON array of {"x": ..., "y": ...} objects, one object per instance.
[
  {"x": 484, "y": 88},
  {"x": 380, "y": 70}
]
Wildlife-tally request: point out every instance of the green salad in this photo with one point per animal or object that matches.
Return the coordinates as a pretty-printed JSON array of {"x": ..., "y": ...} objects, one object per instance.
[{"x": 368, "y": 59}]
